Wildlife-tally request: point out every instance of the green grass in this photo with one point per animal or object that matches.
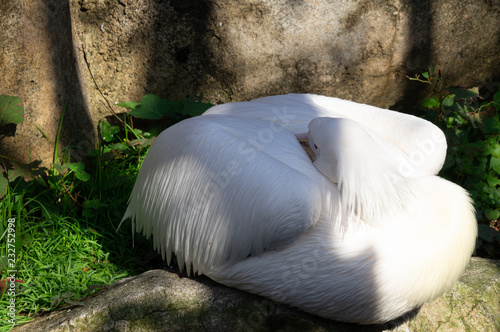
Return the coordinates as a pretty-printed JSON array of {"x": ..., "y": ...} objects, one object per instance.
[
  {"x": 66, "y": 238},
  {"x": 66, "y": 244}
]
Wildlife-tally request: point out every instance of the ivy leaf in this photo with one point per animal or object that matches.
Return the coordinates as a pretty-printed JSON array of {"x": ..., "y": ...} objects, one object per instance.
[{"x": 11, "y": 110}]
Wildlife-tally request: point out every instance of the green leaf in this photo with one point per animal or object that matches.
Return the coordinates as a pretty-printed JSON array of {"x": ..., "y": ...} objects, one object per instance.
[
  {"x": 496, "y": 97},
  {"x": 448, "y": 100},
  {"x": 493, "y": 179},
  {"x": 142, "y": 142},
  {"x": 120, "y": 146},
  {"x": 82, "y": 176},
  {"x": 492, "y": 214},
  {"x": 194, "y": 108},
  {"x": 26, "y": 171},
  {"x": 3, "y": 185},
  {"x": 152, "y": 107},
  {"x": 11, "y": 110},
  {"x": 495, "y": 164},
  {"x": 108, "y": 131},
  {"x": 426, "y": 75},
  {"x": 76, "y": 167},
  {"x": 130, "y": 104},
  {"x": 174, "y": 106},
  {"x": 138, "y": 132},
  {"x": 79, "y": 170},
  {"x": 465, "y": 94},
  {"x": 458, "y": 119},
  {"x": 430, "y": 103},
  {"x": 495, "y": 150}
]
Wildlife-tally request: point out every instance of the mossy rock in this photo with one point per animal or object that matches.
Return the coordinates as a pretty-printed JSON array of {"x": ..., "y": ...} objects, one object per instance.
[{"x": 160, "y": 300}]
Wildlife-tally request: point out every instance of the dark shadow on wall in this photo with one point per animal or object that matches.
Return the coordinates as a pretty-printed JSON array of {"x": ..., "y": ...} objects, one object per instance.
[
  {"x": 181, "y": 59},
  {"x": 419, "y": 55},
  {"x": 77, "y": 127}
]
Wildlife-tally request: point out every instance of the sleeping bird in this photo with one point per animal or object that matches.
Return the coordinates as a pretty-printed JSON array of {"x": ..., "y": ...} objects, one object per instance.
[{"x": 360, "y": 230}]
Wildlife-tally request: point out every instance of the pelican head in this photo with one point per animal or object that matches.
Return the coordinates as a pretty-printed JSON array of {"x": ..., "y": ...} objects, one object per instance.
[{"x": 363, "y": 165}]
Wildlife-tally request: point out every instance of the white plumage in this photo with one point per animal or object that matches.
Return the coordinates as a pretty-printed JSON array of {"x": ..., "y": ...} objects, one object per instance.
[{"x": 363, "y": 234}]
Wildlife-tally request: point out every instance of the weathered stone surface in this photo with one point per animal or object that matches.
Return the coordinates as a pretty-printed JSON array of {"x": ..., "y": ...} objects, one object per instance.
[
  {"x": 38, "y": 64},
  {"x": 162, "y": 301},
  {"x": 87, "y": 54}
]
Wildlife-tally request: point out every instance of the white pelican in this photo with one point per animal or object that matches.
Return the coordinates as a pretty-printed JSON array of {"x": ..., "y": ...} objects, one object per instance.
[{"x": 363, "y": 234}]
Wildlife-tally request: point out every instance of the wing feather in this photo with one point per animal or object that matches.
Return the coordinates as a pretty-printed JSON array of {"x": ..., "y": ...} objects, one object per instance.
[
  {"x": 419, "y": 139},
  {"x": 214, "y": 189}
]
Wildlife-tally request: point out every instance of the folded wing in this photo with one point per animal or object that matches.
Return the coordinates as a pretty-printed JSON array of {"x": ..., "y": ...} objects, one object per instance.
[
  {"x": 216, "y": 189},
  {"x": 418, "y": 139}
]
